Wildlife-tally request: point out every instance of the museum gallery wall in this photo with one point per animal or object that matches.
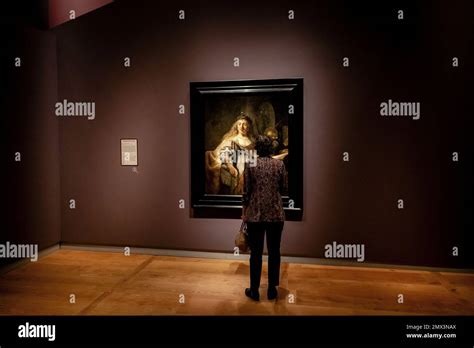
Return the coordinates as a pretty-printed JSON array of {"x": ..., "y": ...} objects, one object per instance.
[
  {"x": 347, "y": 201},
  {"x": 31, "y": 188}
]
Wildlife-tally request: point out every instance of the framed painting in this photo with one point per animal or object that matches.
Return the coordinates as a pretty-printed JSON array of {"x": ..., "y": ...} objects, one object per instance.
[{"x": 226, "y": 118}]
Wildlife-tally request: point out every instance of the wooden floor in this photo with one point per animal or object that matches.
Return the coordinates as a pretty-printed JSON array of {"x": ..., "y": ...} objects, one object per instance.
[{"x": 114, "y": 284}]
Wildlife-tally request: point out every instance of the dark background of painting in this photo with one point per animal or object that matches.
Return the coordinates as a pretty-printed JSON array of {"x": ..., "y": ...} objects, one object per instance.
[{"x": 354, "y": 202}]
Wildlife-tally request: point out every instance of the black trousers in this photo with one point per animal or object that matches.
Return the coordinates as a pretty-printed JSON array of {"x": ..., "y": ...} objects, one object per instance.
[{"x": 256, "y": 233}]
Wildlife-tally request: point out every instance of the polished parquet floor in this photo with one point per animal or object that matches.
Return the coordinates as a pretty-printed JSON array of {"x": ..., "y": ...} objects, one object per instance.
[{"x": 104, "y": 283}]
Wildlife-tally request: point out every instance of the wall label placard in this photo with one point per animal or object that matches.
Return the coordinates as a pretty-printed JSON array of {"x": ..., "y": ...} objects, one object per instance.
[{"x": 129, "y": 151}]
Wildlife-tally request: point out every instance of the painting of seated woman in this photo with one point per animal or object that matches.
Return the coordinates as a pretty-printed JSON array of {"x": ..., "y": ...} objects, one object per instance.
[
  {"x": 226, "y": 119},
  {"x": 225, "y": 162}
]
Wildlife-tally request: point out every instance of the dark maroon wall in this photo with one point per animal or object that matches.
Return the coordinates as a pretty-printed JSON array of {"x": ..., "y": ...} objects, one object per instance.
[
  {"x": 30, "y": 189},
  {"x": 351, "y": 202}
]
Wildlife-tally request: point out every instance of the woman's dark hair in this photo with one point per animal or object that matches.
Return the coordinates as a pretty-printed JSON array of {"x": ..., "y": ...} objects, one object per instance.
[{"x": 263, "y": 146}]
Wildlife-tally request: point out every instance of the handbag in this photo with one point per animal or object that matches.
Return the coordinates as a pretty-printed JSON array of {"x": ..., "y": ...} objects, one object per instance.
[{"x": 241, "y": 239}]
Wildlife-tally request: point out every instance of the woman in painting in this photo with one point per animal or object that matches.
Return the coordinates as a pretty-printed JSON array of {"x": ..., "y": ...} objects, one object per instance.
[{"x": 224, "y": 166}]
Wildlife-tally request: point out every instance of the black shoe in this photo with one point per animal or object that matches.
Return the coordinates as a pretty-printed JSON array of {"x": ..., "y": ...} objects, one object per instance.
[
  {"x": 272, "y": 293},
  {"x": 253, "y": 294}
]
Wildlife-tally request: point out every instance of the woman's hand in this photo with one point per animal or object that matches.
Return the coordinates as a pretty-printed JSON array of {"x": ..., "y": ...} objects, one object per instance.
[{"x": 232, "y": 170}]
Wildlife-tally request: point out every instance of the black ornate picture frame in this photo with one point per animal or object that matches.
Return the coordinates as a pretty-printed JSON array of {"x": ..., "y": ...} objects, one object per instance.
[{"x": 271, "y": 107}]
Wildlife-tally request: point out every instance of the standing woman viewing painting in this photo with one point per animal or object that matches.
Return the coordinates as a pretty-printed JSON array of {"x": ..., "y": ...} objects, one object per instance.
[{"x": 263, "y": 212}]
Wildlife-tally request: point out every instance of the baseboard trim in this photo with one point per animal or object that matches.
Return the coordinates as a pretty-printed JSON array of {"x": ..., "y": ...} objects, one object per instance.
[
  {"x": 22, "y": 262},
  {"x": 244, "y": 257}
]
